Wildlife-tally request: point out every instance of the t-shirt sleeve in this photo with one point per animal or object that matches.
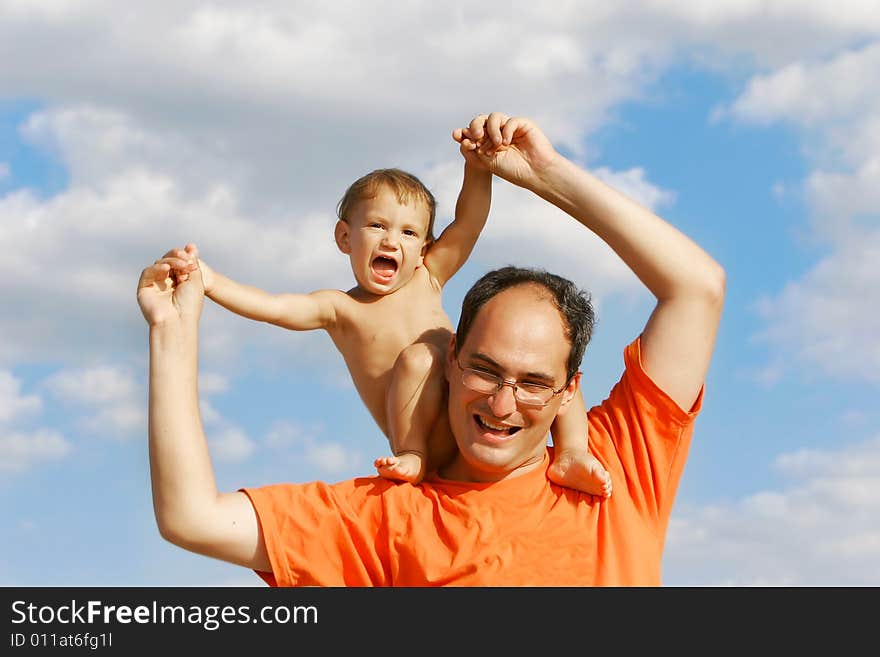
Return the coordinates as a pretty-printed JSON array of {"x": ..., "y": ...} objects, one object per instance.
[
  {"x": 643, "y": 437},
  {"x": 316, "y": 536}
]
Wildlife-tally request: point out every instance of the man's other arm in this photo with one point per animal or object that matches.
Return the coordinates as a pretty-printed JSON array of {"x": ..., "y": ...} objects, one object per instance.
[
  {"x": 679, "y": 337},
  {"x": 189, "y": 510}
]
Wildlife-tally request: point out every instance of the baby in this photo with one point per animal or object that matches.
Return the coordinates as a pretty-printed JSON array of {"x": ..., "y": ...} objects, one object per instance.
[{"x": 390, "y": 327}]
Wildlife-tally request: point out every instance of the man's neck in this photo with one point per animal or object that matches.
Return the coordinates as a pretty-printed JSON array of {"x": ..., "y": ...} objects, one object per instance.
[{"x": 461, "y": 470}]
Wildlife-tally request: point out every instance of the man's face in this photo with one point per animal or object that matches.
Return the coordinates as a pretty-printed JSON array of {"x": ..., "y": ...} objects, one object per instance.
[
  {"x": 384, "y": 240},
  {"x": 518, "y": 334}
]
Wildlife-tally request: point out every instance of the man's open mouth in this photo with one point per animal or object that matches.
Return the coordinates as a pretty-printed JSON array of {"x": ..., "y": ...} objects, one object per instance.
[{"x": 488, "y": 425}]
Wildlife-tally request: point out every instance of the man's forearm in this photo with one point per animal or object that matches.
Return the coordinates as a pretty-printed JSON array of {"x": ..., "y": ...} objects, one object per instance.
[{"x": 180, "y": 465}]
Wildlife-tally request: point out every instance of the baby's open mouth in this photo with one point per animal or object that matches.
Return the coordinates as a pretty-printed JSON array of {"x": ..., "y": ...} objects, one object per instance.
[{"x": 384, "y": 267}]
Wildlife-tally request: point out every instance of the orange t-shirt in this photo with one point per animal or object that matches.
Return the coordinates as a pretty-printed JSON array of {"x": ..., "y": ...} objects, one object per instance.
[{"x": 523, "y": 531}]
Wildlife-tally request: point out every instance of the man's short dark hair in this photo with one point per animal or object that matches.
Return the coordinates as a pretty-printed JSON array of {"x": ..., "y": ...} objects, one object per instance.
[{"x": 572, "y": 303}]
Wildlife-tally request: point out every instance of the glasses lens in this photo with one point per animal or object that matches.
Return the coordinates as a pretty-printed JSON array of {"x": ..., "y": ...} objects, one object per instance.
[
  {"x": 530, "y": 394},
  {"x": 482, "y": 382},
  {"x": 533, "y": 396}
]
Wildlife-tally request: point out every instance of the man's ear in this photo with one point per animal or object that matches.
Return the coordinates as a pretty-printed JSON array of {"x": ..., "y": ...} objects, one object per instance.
[
  {"x": 450, "y": 359},
  {"x": 573, "y": 388},
  {"x": 341, "y": 233}
]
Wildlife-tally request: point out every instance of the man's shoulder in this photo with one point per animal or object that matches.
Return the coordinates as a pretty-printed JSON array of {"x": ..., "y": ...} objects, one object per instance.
[{"x": 339, "y": 494}]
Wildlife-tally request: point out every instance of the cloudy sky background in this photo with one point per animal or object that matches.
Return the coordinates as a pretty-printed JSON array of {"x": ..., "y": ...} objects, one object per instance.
[{"x": 753, "y": 126}]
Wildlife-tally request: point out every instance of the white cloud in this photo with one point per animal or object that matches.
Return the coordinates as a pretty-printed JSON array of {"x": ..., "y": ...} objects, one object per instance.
[
  {"x": 811, "y": 93},
  {"x": 248, "y": 159},
  {"x": 78, "y": 255},
  {"x": 20, "y": 451},
  {"x": 209, "y": 414},
  {"x": 633, "y": 184},
  {"x": 227, "y": 442},
  {"x": 820, "y": 319},
  {"x": 333, "y": 458},
  {"x": 821, "y": 530},
  {"x": 326, "y": 457},
  {"x": 98, "y": 385},
  {"x": 230, "y": 444},
  {"x": 839, "y": 197},
  {"x": 112, "y": 402},
  {"x": 12, "y": 403},
  {"x": 770, "y": 33},
  {"x": 285, "y": 434},
  {"x": 816, "y": 320}
]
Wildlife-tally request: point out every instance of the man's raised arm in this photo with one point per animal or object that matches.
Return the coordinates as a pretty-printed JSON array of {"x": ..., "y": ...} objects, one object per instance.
[
  {"x": 679, "y": 338},
  {"x": 189, "y": 510}
]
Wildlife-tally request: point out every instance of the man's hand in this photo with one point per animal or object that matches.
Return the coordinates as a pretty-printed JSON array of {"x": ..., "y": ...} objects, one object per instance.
[
  {"x": 513, "y": 148},
  {"x": 166, "y": 291}
]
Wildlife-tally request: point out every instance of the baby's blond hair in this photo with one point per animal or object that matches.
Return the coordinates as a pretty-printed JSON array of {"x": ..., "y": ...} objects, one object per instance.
[{"x": 406, "y": 186}]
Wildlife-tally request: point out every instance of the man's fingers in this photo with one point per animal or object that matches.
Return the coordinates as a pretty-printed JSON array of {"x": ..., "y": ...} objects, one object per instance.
[
  {"x": 158, "y": 271},
  {"x": 493, "y": 127},
  {"x": 475, "y": 131},
  {"x": 508, "y": 130}
]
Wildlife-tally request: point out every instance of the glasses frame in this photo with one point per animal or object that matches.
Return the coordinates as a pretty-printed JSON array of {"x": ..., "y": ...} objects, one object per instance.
[{"x": 513, "y": 383}]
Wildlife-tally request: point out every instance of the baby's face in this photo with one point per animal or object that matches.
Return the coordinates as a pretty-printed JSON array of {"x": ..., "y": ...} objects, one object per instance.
[{"x": 384, "y": 240}]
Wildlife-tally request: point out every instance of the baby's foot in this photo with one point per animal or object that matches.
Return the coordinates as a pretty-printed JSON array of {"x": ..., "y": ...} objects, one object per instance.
[
  {"x": 405, "y": 467},
  {"x": 581, "y": 471}
]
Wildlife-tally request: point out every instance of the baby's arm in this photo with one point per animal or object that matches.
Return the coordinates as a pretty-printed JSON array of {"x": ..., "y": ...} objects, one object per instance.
[
  {"x": 452, "y": 248},
  {"x": 298, "y": 312}
]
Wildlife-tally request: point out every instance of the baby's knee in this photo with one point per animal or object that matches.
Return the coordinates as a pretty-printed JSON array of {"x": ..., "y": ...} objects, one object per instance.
[{"x": 420, "y": 357}]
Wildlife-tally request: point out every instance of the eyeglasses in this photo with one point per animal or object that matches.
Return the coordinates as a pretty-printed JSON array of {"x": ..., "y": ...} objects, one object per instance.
[{"x": 527, "y": 394}]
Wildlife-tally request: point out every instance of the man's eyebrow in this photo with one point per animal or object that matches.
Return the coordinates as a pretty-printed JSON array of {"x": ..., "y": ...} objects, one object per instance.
[{"x": 495, "y": 365}]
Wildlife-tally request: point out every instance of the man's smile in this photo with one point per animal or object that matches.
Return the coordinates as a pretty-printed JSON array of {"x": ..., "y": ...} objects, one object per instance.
[{"x": 495, "y": 428}]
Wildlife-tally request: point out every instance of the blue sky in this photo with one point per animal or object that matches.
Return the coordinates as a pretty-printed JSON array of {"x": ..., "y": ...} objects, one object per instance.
[{"x": 751, "y": 126}]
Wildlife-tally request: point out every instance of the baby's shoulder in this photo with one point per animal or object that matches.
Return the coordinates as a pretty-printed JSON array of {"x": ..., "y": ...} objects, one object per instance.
[{"x": 423, "y": 277}]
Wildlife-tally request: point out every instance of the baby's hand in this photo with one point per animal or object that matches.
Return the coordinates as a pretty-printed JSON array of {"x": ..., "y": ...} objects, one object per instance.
[
  {"x": 475, "y": 141},
  {"x": 181, "y": 263},
  {"x": 190, "y": 254}
]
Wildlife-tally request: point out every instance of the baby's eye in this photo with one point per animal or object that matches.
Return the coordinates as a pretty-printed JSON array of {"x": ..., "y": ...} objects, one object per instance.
[
  {"x": 410, "y": 233},
  {"x": 375, "y": 224}
]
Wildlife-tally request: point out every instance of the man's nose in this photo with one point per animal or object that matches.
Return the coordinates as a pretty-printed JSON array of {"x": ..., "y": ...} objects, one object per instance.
[{"x": 503, "y": 403}]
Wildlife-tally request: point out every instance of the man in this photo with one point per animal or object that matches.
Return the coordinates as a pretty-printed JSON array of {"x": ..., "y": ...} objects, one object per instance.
[{"x": 491, "y": 516}]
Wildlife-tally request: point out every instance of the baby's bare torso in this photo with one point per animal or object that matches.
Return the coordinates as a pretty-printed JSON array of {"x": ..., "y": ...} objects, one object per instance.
[{"x": 371, "y": 331}]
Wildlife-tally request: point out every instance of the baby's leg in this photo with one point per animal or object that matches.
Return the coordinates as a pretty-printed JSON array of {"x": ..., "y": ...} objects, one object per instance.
[
  {"x": 414, "y": 401},
  {"x": 573, "y": 465}
]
